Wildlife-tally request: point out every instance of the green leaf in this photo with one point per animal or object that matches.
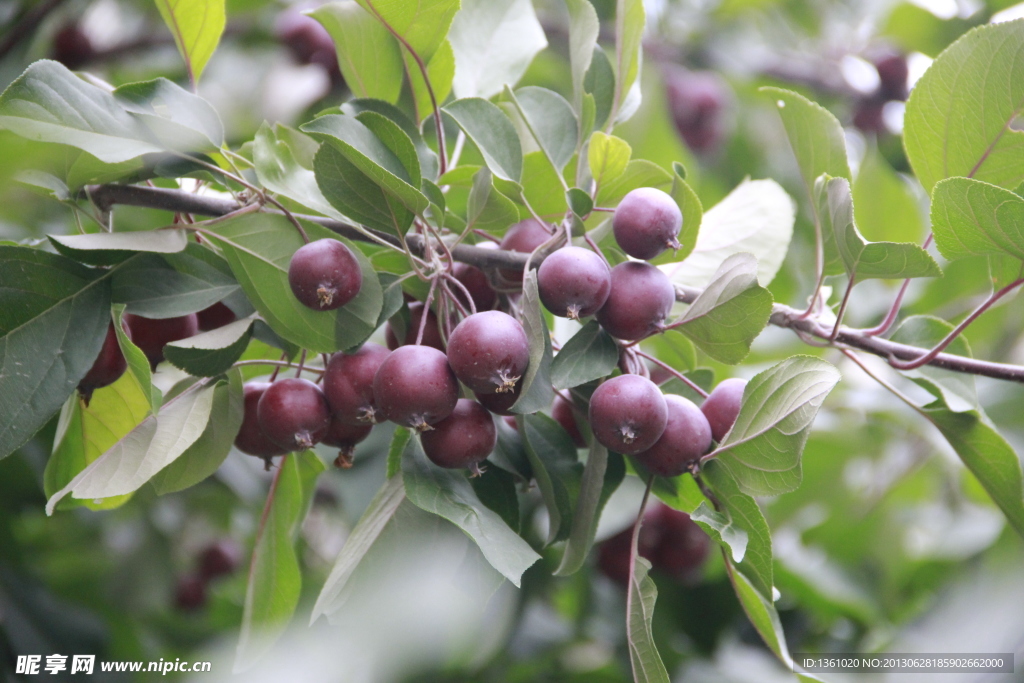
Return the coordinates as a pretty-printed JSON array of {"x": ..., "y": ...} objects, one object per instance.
[
  {"x": 54, "y": 315},
  {"x": 535, "y": 390},
  {"x": 970, "y": 218},
  {"x": 196, "y": 26},
  {"x": 427, "y": 156},
  {"x": 205, "y": 456},
  {"x": 369, "y": 56},
  {"x": 693, "y": 213},
  {"x": 720, "y": 527},
  {"x": 556, "y": 468},
  {"x": 259, "y": 247},
  {"x": 440, "y": 71},
  {"x": 181, "y": 121},
  {"x": 638, "y": 173},
  {"x": 643, "y": 652},
  {"x": 423, "y": 24},
  {"x": 396, "y": 449},
  {"x": 815, "y": 135},
  {"x": 496, "y": 489},
  {"x": 148, "y": 448},
  {"x": 885, "y": 206},
  {"x": 275, "y": 579},
  {"x": 600, "y": 84},
  {"x": 756, "y": 217},
  {"x": 488, "y": 208},
  {"x": 729, "y": 314},
  {"x": 959, "y": 115},
  {"x": 106, "y": 248},
  {"x": 602, "y": 475},
  {"x": 761, "y": 613},
  {"x": 492, "y": 132},
  {"x": 279, "y": 170},
  {"x": 630, "y": 19},
  {"x": 542, "y": 188},
  {"x": 448, "y": 494},
  {"x": 862, "y": 259},
  {"x": 762, "y": 450},
  {"x": 397, "y": 173},
  {"x": 579, "y": 202},
  {"x": 357, "y": 195},
  {"x": 85, "y": 432},
  {"x": 743, "y": 517},
  {"x": 956, "y": 389},
  {"x": 391, "y": 285},
  {"x": 378, "y": 513},
  {"x": 551, "y": 122},
  {"x": 494, "y": 42},
  {"x": 208, "y": 354},
  {"x": 584, "y": 28},
  {"x": 607, "y": 155},
  {"x": 590, "y": 354},
  {"x": 48, "y": 103},
  {"x": 173, "y": 284},
  {"x": 138, "y": 364}
]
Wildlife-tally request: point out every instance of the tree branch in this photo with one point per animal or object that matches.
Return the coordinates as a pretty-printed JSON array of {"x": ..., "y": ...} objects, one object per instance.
[{"x": 106, "y": 196}]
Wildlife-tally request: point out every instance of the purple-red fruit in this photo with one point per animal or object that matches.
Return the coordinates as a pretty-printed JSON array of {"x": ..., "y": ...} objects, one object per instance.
[
  {"x": 251, "y": 439},
  {"x": 574, "y": 282},
  {"x": 892, "y": 75},
  {"x": 220, "y": 558},
  {"x": 563, "y": 413},
  {"x": 294, "y": 414},
  {"x": 686, "y": 438},
  {"x": 476, "y": 283},
  {"x": 682, "y": 544},
  {"x": 500, "y": 404},
  {"x": 190, "y": 593},
  {"x": 628, "y": 414},
  {"x": 524, "y": 237},
  {"x": 348, "y": 384},
  {"x": 415, "y": 387},
  {"x": 324, "y": 275},
  {"x": 431, "y": 331},
  {"x": 345, "y": 437},
  {"x": 869, "y": 116},
  {"x": 463, "y": 439},
  {"x": 698, "y": 101},
  {"x": 215, "y": 316},
  {"x": 640, "y": 300},
  {"x": 722, "y": 406},
  {"x": 613, "y": 554},
  {"x": 646, "y": 222},
  {"x": 151, "y": 334},
  {"x": 307, "y": 39},
  {"x": 489, "y": 352},
  {"x": 106, "y": 369},
  {"x": 72, "y": 47}
]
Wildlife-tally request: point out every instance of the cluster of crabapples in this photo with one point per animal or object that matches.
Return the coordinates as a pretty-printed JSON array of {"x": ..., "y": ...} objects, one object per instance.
[{"x": 417, "y": 381}]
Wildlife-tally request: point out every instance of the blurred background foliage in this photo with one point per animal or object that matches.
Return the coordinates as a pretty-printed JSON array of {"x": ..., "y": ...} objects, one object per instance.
[{"x": 889, "y": 544}]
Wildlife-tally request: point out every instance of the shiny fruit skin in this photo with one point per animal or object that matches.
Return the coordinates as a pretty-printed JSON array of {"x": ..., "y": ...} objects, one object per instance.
[
  {"x": 641, "y": 298},
  {"x": 500, "y": 404},
  {"x": 647, "y": 222},
  {"x": 476, "y": 282},
  {"x": 563, "y": 413},
  {"x": 722, "y": 406},
  {"x": 628, "y": 414},
  {"x": 324, "y": 275},
  {"x": 348, "y": 384},
  {"x": 152, "y": 334},
  {"x": 686, "y": 438},
  {"x": 489, "y": 352},
  {"x": 463, "y": 439},
  {"x": 251, "y": 439},
  {"x": 294, "y": 414},
  {"x": 106, "y": 369},
  {"x": 431, "y": 331},
  {"x": 524, "y": 237},
  {"x": 415, "y": 387},
  {"x": 215, "y": 316},
  {"x": 574, "y": 282}
]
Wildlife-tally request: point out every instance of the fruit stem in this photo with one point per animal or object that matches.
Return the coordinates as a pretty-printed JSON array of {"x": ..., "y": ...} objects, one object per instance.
[
  {"x": 894, "y": 310},
  {"x": 426, "y": 311},
  {"x": 302, "y": 363},
  {"x": 686, "y": 380},
  {"x": 469, "y": 297},
  {"x": 842, "y": 307}
]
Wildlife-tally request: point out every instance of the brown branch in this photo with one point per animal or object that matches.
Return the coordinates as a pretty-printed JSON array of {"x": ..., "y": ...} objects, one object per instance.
[{"x": 106, "y": 196}]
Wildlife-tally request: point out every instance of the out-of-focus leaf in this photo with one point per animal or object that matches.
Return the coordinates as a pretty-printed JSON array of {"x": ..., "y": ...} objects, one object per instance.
[
  {"x": 638, "y": 173},
  {"x": 583, "y": 31},
  {"x": 196, "y": 26},
  {"x": 369, "y": 56},
  {"x": 885, "y": 207},
  {"x": 630, "y": 19},
  {"x": 957, "y": 389},
  {"x": 181, "y": 121}
]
